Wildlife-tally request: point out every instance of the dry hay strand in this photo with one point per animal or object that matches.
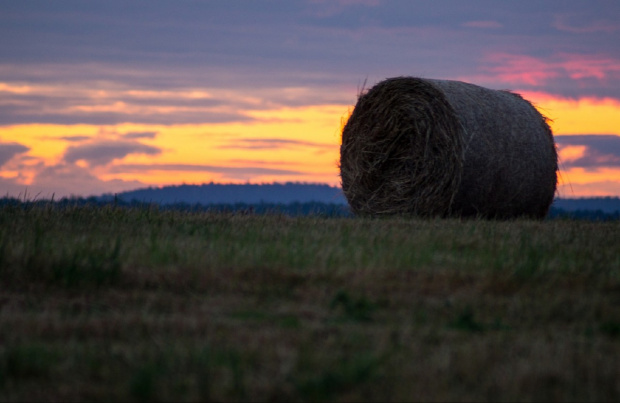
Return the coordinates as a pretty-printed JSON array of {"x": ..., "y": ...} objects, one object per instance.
[{"x": 425, "y": 147}]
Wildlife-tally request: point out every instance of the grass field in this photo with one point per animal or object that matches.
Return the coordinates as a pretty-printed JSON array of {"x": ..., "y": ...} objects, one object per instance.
[{"x": 141, "y": 304}]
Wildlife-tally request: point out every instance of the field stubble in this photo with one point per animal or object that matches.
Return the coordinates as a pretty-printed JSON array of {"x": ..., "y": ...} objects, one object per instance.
[{"x": 141, "y": 304}]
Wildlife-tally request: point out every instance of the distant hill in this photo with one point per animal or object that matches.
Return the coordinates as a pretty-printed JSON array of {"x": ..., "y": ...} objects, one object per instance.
[
  {"x": 213, "y": 193},
  {"x": 294, "y": 199},
  {"x": 606, "y": 205},
  {"x": 288, "y": 193}
]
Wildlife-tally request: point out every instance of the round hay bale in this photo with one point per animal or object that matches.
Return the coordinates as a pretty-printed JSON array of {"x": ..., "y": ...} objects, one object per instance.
[{"x": 427, "y": 147}]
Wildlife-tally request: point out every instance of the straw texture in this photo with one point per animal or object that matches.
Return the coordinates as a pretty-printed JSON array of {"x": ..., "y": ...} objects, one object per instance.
[{"x": 427, "y": 147}]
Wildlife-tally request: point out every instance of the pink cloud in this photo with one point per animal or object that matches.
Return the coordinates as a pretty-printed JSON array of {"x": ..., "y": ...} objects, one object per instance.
[
  {"x": 590, "y": 189},
  {"x": 600, "y": 67},
  {"x": 63, "y": 180},
  {"x": 519, "y": 68},
  {"x": 524, "y": 69}
]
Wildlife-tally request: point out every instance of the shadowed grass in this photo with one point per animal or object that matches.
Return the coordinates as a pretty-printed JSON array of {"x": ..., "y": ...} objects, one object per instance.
[{"x": 141, "y": 304}]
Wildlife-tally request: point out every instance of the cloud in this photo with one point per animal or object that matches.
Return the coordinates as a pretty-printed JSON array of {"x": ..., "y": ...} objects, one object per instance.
[
  {"x": 9, "y": 150},
  {"x": 590, "y": 189},
  {"x": 247, "y": 172},
  {"x": 71, "y": 63},
  {"x": 139, "y": 135},
  {"x": 244, "y": 170},
  {"x": 105, "y": 133},
  {"x": 575, "y": 24},
  {"x": 537, "y": 71},
  {"x": 103, "y": 152},
  {"x": 82, "y": 96},
  {"x": 74, "y": 139},
  {"x": 571, "y": 75},
  {"x": 129, "y": 104},
  {"x": 482, "y": 24},
  {"x": 64, "y": 180},
  {"x": 55, "y": 109},
  {"x": 11, "y": 188},
  {"x": 272, "y": 144},
  {"x": 253, "y": 162},
  {"x": 261, "y": 49},
  {"x": 596, "y": 150}
]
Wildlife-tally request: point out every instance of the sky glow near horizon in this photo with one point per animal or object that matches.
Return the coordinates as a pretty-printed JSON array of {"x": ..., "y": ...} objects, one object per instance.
[{"x": 100, "y": 97}]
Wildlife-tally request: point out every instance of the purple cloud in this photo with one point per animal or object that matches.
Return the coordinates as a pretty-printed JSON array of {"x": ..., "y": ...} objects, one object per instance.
[
  {"x": 139, "y": 135},
  {"x": 9, "y": 150},
  {"x": 601, "y": 150},
  {"x": 103, "y": 152},
  {"x": 325, "y": 45},
  {"x": 63, "y": 180},
  {"x": 244, "y": 170},
  {"x": 74, "y": 139}
]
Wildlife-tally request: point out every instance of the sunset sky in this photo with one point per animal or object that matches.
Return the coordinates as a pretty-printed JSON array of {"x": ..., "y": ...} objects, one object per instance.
[{"x": 104, "y": 96}]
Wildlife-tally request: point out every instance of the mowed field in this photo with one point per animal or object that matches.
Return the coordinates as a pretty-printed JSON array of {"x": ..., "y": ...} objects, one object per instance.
[{"x": 139, "y": 304}]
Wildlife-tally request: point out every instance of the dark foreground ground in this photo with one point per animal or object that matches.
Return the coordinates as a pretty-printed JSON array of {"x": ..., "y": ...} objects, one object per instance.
[{"x": 140, "y": 304}]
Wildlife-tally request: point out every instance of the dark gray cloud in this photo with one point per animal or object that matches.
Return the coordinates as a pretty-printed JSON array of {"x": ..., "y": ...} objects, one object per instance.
[
  {"x": 601, "y": 150},
  {"x": 103, "y": 152},
  {"x": 10, "y": 150}
]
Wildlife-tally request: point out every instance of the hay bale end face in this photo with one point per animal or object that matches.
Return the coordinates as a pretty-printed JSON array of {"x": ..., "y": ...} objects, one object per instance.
[{"x": 425, "y": 147}]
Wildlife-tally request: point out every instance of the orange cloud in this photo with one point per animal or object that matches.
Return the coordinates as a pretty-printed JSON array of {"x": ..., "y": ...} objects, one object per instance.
[
  {"x": 590, "y": 121},
  {"x": 285, "y": 144},
  {"x": 587, "y": 115},
  {"x": 268, "y": 144},
  {"x": 579, "y": 182},
  {"x": 571, "y": 153}
]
